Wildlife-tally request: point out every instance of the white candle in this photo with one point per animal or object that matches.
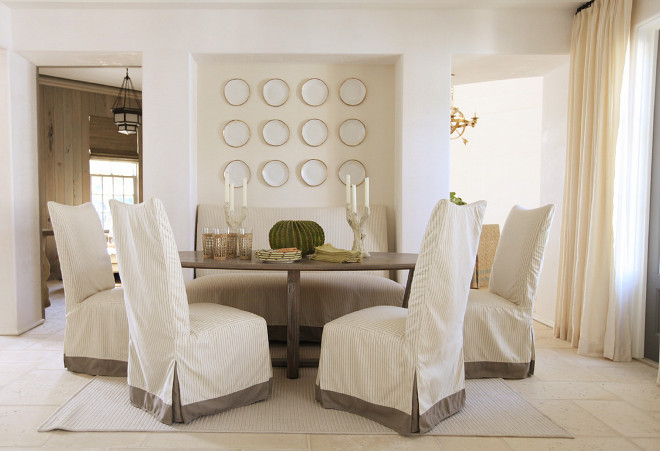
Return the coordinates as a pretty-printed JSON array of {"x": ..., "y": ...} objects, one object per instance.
[
  {"x": 226, "y": 187},
  {"x": 354, "y": 201},
  {"x": 348, "y": 189},
  {"x": 366, "y": 192},
  {"x": 245, "y": 192},
  {"x": 231, "y": 197}
]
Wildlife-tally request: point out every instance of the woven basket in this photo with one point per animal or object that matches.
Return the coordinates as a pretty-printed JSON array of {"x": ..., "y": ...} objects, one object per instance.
[{"x": 490, "y": 236}]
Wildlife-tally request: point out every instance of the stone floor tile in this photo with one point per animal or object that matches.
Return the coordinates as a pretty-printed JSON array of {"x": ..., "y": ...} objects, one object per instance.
[
  {"x": 472, "y": 444},
  {"x": 225, "y": 441},
  {"x": 42, "y": 388},
  {"x": 624, "y": 418},
  {"x": 392, "y": 442}
]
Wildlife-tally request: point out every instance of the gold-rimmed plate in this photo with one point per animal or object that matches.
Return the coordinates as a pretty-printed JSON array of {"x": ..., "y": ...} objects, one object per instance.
[
  {"x": 275, "y": 92},
  {"x": 236, "y": 171},
  {"x": 352, "y": 132},
  {"x": 236, "y": 91},
  {"x": 355, "y": 169},
  {"x": 275, "y": 173},
  {"x": 314, "y": 132},
  {"x": 314, "y": 172},
  {"x": 236, "y": 133},
  {"x": 352, "y": 91},
  {"x": 314, "y": 92},
  {"x": 275, "y": 132}
]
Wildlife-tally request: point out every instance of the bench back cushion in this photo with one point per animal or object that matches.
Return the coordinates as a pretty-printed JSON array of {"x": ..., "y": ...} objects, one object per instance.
[{"x": 332, "y": 219}]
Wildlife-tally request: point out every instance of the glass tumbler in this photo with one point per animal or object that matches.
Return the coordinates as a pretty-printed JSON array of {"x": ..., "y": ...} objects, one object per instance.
[
  {"x": 245, "y": 243},
  {"x": 207, "y": 240}
]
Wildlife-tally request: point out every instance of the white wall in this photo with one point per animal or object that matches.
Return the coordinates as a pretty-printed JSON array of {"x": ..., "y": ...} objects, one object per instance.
[
  {"x": 376, "y": 152},
  {"x": 169, "y": 39},
  {"x": 644, "y": 10},
  {"x": 5, "y": 27},
  {"x": 19, "y": 200},
  {"x": 553, "y": 160},
  {"x": 501, "y": 163}
]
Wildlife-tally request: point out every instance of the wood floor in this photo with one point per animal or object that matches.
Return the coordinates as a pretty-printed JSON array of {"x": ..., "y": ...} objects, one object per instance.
[{"x": 605, "y": 405}]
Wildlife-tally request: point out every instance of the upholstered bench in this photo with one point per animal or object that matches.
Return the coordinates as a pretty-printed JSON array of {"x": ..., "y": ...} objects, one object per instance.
[{"x": 324, "y": 296}]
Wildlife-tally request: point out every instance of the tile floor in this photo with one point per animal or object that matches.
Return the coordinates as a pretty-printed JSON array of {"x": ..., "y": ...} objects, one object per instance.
[{"x": 605, "y": 405}]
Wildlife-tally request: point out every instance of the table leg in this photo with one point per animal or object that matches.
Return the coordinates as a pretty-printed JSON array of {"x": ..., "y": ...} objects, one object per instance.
[
  {"x": 406, "y": 294},
  {"x": 292, "y": 330}
]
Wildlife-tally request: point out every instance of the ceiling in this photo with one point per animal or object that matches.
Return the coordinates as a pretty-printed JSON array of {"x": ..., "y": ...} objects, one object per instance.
[
  {"x": 481, "y": 68},
  {"x": 467, "y": 68},
  {"x": 320, "y": 4}
]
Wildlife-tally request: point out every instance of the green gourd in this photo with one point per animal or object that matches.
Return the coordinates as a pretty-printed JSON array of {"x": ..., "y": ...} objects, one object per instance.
[{"x": 305, "y": 235}]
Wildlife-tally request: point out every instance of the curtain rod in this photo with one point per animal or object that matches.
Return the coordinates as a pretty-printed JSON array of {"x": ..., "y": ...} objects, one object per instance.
[{"x": 585, "y": 6}]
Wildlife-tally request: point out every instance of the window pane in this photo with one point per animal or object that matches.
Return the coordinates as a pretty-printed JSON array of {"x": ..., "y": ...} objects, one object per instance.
[
  {"x": 97, "y": 185},
  {"x": 107, "y": 186},
  {"x": 128, "y": 199},
  {"x": 118, "y": 186},
  {"x": 128, "y": 185},
  {"x": 97, "y": 201}
]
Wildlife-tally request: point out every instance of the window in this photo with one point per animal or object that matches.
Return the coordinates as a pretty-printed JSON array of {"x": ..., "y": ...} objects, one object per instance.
[{"x": 112, "y": 179}]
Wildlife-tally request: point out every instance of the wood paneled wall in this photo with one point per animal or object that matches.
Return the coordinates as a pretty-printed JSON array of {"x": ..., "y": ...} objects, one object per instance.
[{"x": 64, "y": 110}]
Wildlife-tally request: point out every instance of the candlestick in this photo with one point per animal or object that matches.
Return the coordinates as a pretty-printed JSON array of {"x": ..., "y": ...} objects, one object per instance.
[
  {"x": 245, "y": 192},
  {"x": 354, "y": 198},
  {"x": 366, "y": 192},
  {"x": 226, "y": 187},
  {"x": 231, "y": 197}
]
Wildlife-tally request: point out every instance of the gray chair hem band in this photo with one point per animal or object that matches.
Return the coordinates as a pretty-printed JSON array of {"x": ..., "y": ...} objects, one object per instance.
[
  {"x": 96, "y": 367},
  {"x": 505, "y": 370},
  {"x": 164, "y": 412}
]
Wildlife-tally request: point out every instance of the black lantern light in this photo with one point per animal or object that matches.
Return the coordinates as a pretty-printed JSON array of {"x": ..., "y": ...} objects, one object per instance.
[{"x": 127, "y": 108}]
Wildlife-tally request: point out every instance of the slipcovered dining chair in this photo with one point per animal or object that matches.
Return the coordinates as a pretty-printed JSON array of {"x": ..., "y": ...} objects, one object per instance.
[
  {"x": 404, "y": 367},
  {"x": 498, "y": 334},
  {"x": 184, "y": 361},
  {"x": 96, "y": 332}
]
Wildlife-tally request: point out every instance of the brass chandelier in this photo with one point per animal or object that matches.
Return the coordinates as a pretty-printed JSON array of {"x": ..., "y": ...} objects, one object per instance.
[{"x": 457, "y": 122}]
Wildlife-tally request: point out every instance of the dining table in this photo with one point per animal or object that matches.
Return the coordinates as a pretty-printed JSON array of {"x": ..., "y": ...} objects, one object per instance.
[{"x": 376, "y": 261}]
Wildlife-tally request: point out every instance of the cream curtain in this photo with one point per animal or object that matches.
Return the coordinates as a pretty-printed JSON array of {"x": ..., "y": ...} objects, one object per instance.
[{"x": 588, "y": 313}]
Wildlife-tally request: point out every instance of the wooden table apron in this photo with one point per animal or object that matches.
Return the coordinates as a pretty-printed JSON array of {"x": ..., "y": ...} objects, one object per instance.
[{"x": 377, "y": 261}]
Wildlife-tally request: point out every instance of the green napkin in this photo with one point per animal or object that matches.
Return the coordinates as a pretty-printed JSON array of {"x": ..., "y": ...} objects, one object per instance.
[{"x": 329, "y": 253}]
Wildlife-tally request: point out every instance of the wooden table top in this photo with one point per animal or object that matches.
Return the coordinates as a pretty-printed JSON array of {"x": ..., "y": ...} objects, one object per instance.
[{"x": 377, "y": 261}]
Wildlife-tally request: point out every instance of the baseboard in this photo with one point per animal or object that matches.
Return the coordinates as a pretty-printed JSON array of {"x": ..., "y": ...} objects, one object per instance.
[
  {"x": 542, "y": 320},
  {"x": 22, "y": 328}
]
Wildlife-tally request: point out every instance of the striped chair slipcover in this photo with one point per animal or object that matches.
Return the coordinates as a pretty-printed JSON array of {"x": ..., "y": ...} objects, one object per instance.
[
  {"x": 96, "y": 333},
  {"x": 404, "y": 367},
  {"x": 498, "y": 334},
  {"x": 184, "y": 361}
]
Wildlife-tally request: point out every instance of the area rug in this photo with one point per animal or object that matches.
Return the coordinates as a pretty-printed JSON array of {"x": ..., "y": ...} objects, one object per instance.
[{"x": 491, "y": 409}]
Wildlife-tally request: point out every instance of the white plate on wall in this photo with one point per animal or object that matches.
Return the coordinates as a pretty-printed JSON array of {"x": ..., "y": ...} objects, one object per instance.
[
  {"x": 237, "y": 92},
  {"x": 236, "y": 133},
  {"x": 275, "y": 173},
  {"x": 314, "y": 172},
  {"x": 236, "y": 170},
  {"x": 352, "y": 92},
  {"x": 314, "y": 132},
  {"x": 275, "y": 132},
  {"x": 276, "y": 92},
  {"x": 353, "y": 168},
  {"x": 314, "y": 92},
  {"x": 352, "y": 132}
]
